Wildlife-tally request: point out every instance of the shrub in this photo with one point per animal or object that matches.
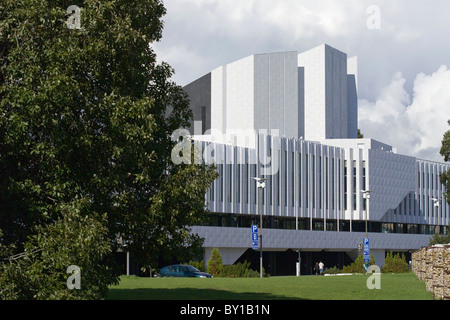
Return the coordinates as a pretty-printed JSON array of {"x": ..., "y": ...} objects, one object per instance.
[
  {"x": 239, "y": 270},
  {"x": 334, "y": 270},
  {"x": 215, "y": 263},
  {"x": 358, "y": 265},
  {"x": 395, "y": 263}
]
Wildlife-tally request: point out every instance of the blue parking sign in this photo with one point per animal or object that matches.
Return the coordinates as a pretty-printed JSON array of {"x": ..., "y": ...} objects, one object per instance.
[
  {"x": 255, "y": 237},
  {"x": 366, "y": 250}
]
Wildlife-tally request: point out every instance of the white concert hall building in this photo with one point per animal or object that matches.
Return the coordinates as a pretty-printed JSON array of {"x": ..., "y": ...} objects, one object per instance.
[{"x": 292, "y": 118}]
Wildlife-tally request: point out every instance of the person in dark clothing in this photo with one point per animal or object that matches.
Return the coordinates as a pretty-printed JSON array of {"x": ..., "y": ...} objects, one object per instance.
[{"x": 316, "y": 268}]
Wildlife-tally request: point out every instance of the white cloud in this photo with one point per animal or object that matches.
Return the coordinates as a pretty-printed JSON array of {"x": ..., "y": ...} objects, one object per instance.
[
  {"x": 414, "y": 125},
  {"x": 200, "y": 35}
]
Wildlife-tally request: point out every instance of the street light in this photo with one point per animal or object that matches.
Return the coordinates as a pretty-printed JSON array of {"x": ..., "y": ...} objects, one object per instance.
[
  {"x": 436, "y": 204},
  {"x": 366, "y": 195},
  {"x": 260, "y": 184}
]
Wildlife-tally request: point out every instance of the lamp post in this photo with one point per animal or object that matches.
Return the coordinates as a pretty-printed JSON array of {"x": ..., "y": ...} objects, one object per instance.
[
  {"x": 436, "y": 204},
  {"x": 260, "y": 184},
  {"x": 366, "y": 195}
]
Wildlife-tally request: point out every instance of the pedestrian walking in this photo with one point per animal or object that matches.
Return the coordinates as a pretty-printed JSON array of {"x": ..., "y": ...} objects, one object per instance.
[
  {"x": 321, "y": 266},
  {"x": 316, "y": 268}
]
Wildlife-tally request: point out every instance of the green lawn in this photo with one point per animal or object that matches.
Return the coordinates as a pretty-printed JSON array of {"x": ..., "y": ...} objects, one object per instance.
[{"x": 353, "y": 287}]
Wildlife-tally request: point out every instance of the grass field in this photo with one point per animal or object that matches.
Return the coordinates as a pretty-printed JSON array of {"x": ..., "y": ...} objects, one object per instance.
[{"x": 393, "y": 287}]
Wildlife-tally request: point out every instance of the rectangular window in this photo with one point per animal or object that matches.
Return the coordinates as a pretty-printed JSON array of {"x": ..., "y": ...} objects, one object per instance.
[
  {"x": 211, "y": 192},
  {"x": 229, "y": 182},
  {"x": 203, "y": 120},
  {"x": 313, "y": 189},
  {"x": 291, "y": 172},
  {"x": 364, "y": 184},
  {"x": 221, "y": 182},
  {"x": 246, "y": 182},
  {"x": 306, "y": 182},
  {"x": 269, "y": 189},
  {"x": 326, "y": 182},
  {"x": 333, "y": 161},
  {"x": 238, "y": 183},
  {"x": 300, "y": 184},
  {"x": 278, "y": 177},
  {"x": 320, "y": 182},
  {"x": 339, "y": 184},
  {"x": 345, "y": 185},
  {"x": 254, "y": 183},
  {"x": 354, "y": 184},
  {"x": 285, "y": 178}
]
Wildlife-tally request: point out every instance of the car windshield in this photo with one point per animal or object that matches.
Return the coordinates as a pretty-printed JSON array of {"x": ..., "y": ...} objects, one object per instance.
[{"x": 191, "y": 269}]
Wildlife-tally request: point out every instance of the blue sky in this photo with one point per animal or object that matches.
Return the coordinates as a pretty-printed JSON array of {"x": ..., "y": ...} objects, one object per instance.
[{"x": 403, "y": 51}]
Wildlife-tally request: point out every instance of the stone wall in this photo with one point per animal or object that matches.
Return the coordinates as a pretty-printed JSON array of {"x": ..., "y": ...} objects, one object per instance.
[{"x": 432, "y": 265}]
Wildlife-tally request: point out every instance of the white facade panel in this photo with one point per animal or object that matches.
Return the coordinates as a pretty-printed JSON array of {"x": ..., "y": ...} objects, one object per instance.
[
  {"x": 240, "y": 94},
  {"x": 218, "y": 100},
  {"x": 313, "y": 183},
  {"x": 313, "y": 62}
]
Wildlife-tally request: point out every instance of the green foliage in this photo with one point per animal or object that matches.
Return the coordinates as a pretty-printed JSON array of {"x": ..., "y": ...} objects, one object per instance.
[
  {"x": 40, "y": 271},
  {"x": 239, "y": 270},
  {"x": 440, "y": 238},
  {"x": 445, "y": 176},
  {"x": 360, "y": 135},
  {"x": 88, "y": 114},
  {"x": 358, "y": 265},
  {"x": 395, "y": 263},
  {"x": 214, "y": 264},
  {"x": 334, "y": 270}
]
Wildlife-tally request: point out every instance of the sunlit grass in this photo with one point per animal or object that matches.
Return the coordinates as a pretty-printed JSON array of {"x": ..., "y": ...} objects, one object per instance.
[{"x": 393, "y": 287}]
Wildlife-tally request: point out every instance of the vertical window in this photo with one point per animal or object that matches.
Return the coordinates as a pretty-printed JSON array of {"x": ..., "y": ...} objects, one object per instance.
[
  {"x": 203, "y": 120},
  {"x": 418, "y": 179},
  {"x": 211, "y": 192},
  {"x": 229, "y": 182},
  {"x": 345, "y": 185},
  {"x": 320, "y": 182},
  {"x": 254, "y": 183},
  {"x": 238, "y": 183},
  {"x": 364, "y": 184},
  {"x": 246, "y": 182},
  {"x": 221, "y": 182},
  {"x": 313, "y": 189},
  {"x": 269, "y": 189},
  {"x": 278, "y": 177},
  {"x": 291, "y": 172},
  {"x": 333, "y": 161},
  {"x": 326, "y": 183},
  {"x": 300, "y": 184},
  {"x": 285, "y": 179},
  {"x": 306, "y": 182},
  {"x": 354, "y": 184},
  {"x": 339, "y": 184}
]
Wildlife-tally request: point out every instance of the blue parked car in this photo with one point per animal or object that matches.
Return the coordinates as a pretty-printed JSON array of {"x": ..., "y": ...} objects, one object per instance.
[{"x": 180, "y": 270}]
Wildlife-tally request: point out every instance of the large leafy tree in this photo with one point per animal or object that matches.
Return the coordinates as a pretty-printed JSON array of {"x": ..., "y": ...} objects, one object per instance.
[
  {"x": 86, "y": 116},
  {"x": 445, "y": 152}
]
